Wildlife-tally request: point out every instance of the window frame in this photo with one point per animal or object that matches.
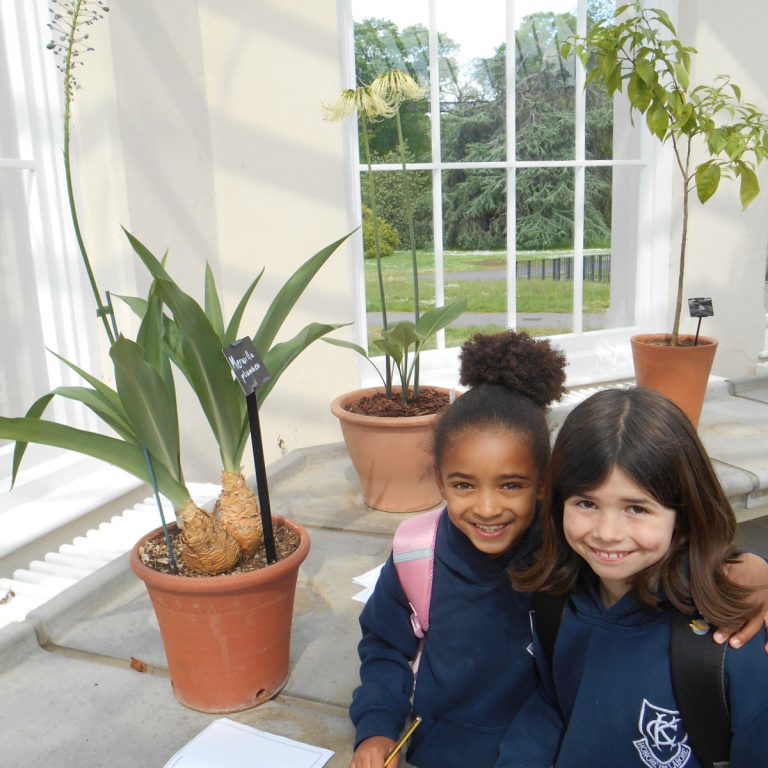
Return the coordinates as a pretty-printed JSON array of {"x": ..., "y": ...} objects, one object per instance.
[
  {"x": 53, "y": 486},
  {"x": 593, "y": 356}
]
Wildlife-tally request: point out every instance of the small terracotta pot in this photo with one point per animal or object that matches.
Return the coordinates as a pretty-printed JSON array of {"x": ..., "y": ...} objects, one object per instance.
[
  {"x": 391, "y": 455},
  {"x": 679, "y": 373},
  {"x": 226, "y": 638}
]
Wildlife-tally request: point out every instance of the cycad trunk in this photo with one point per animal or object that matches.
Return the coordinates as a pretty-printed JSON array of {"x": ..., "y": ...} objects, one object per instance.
[
  {"x": 238, "y": 511},
  {"x": 208, "y": 547}
]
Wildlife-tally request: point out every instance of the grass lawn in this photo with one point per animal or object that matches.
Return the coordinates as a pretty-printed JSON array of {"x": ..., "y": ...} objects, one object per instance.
[{"x": 482, "y": 295}]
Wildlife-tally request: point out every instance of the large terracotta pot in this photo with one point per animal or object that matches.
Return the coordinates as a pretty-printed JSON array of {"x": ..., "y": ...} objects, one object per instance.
[
  {"x": 391, "y": 455},
  {"x": 226, "y": 638},
  {"x": 679, "y": 373}
]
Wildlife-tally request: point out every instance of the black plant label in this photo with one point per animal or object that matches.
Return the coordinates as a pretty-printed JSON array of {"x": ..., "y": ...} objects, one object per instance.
[
  {"x": 700, "y": 307},
  {"x": 247, "y": 365}
]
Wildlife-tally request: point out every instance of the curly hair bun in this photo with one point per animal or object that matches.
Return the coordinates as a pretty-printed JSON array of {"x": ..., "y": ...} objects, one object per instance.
[{"x": 529, "y": 366}]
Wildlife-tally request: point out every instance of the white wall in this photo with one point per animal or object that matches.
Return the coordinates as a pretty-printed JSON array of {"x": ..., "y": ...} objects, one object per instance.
[
  {"x": 727, "y": 247},
  {"x": 199, "y": 128}
]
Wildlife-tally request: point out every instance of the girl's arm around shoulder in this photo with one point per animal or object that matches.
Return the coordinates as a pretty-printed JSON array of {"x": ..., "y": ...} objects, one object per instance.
[
  {"x": 380, "y": 705},
  {"x": 750, "y": 571}
]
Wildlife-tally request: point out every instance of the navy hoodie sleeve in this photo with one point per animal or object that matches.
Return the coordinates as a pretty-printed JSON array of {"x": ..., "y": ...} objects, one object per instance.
[
  {"x": 380, "y": 705},
  {"x": 747, "y": 682},
  {"x": 533, "y": 739}
]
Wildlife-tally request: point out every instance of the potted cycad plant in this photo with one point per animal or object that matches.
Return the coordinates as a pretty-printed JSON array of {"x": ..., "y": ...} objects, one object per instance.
[
  {"x": 387, "y": 430},
  {"x": 224, "y": 619},
  {"x": 714, "y": 134}
]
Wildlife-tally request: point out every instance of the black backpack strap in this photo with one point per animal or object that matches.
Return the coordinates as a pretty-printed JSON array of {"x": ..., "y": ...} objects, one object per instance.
[
  {"x": 697, "y": 665},
  {"x": 549, "y": 613}
]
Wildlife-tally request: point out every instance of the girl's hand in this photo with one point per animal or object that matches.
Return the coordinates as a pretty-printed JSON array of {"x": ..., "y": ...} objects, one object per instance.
[
  {"x": 371, "y": 753},
  {"x": 750, "y": 571}
]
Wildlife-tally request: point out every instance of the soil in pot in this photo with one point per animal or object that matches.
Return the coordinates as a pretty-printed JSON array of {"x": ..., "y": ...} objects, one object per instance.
[
  {"x": 154, "y": 553},
  {"x": 428, "y": 402}
]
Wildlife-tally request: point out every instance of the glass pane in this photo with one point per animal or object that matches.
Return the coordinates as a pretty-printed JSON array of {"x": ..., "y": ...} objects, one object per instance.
[
  {"x": 394, "y": 35},
  {"x": 472, "y": 81},
  {"x": 544, "y": 85},
  {"x": 9, "y": 145},
  {"x": 395, "y": 247},
  {"x": 545, "y": 250},
  {"x": 475, "y": 232},
  {"x": 23, "y": 371}
]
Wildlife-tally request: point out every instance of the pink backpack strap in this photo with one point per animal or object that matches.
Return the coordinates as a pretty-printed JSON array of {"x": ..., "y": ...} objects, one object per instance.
[{"x": 413, "y": 552}]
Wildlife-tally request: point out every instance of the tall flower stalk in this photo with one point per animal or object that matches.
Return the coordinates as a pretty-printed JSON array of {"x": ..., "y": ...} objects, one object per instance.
[
  {"x": 395, "y": 87},
  {"x": 381, "y": 101},
  {"x": 70, "y": 25}
]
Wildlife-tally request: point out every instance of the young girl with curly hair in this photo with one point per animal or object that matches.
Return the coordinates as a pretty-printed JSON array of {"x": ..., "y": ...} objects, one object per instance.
[
  {"x": 636, "y": 529},
  {"x": 491, "y": 447}
]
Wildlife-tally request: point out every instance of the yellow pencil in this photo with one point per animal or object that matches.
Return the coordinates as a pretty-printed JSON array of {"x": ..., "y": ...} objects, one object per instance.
[{"x": 400, "y": 744}]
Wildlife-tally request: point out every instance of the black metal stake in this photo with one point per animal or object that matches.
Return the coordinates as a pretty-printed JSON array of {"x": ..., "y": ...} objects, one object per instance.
[
  {"x": 261, "y": 478},
  {"x": 166, "y": 532},
  {"x": 696, "y": 337}
]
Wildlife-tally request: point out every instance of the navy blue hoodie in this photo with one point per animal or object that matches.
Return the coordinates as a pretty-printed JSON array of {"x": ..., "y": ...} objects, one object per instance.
[
  {"x": 614, "y": 688},
  {"x": 475, "y": 670}
]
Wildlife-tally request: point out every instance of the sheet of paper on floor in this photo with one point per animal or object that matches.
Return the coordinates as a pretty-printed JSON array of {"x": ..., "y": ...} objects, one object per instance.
[
  {"x": 225, "y": 742},
  {"x": 368, "y": 581}
]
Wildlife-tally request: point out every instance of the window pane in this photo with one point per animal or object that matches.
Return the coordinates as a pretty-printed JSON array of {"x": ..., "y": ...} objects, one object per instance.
[
  {"x": 395, "y": 247},
  {"x": 23, "y": 374},
  {"x": 544, "y": 87},
  {"x": 472, "y": 81},
  {"x": 474, "y": 232},
  {"x": 545, "y": 250},
  {"x": 394, "y": 35}
]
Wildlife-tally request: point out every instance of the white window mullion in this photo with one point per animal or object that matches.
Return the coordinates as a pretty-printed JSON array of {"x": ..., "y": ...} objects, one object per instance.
[
  {"x": 437, "y": 155},
  {"x": 511, "y": 171},
  {"x": 579, "y": 182}
]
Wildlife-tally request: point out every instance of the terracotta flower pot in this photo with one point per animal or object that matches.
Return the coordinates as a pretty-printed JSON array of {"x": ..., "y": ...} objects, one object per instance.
[
  {"x": 391, "y": 455},
  {"x": 226, "y": 638},
  {"x": 679, "y": 373}
]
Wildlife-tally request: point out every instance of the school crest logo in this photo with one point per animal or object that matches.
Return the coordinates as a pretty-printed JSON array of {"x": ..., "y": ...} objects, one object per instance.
[{"x": 664, "y": 743}]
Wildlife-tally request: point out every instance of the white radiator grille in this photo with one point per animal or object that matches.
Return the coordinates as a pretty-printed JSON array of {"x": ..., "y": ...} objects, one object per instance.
[{"x": 27, "y": 588}]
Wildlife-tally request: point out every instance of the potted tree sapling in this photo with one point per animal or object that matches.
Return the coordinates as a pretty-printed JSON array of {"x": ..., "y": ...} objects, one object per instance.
[
  {"x": 387, "y": 429},
  {"x": 714, "y": 134}
]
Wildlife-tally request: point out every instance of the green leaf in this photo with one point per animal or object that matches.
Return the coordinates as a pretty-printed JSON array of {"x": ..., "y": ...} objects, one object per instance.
[
  {"x": 657, "y": 120},
  {"x": 749, "y": 188},
  {"x": 150, "y": 408},
  {"x": 35, "y": 412},
  {"x": 125, "y": 456},
  {"x": 393, "y": 349},
  {"x": 639, "y": 93},
  {"x": 96, "y": 402},
  {"x": 213, "y": 305},
  {"x": 439, "y": 317},
  {"x": 234, "y": 323},
  {"x": 402, "y": 333},
  {"x": 136, "y": 304},
  {"x": 707, "y": 180},
  {"x": 150, "y": 260},
  {"x": 645, "y": 71},
  {"x": 207, "y": 371},
  {"x": 289, "y": 294}
]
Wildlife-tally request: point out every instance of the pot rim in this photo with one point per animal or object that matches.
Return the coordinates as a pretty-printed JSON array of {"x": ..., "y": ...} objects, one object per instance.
[
  {"x": 338, "y": 410},
  {"x": 222, "y": 581},
  {"x": 646, "y": 338}
]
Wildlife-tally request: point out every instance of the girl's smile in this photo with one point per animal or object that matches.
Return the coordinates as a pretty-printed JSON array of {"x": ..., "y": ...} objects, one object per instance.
[
  {"x": 619, "y": 530},
  {"x": 490, "y": 484}
]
